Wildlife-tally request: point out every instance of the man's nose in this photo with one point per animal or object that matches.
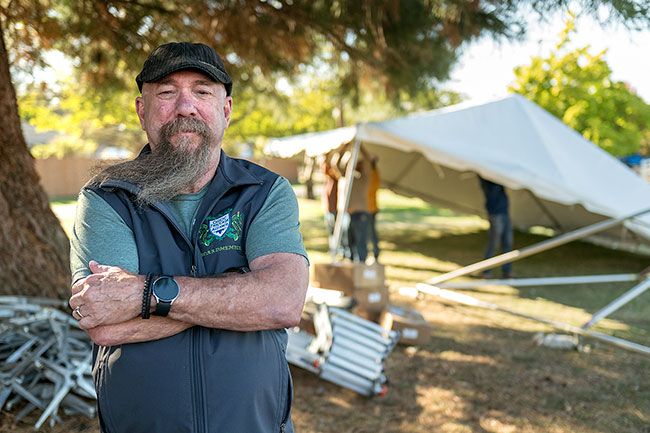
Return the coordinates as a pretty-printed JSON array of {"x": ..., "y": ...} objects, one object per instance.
[{"x": 186, "y": 104}]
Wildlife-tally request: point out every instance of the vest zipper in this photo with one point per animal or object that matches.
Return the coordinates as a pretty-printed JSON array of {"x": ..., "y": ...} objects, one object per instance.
[
  {"x": 195, "y": 361},
  {"x": 197, "y": 394}
]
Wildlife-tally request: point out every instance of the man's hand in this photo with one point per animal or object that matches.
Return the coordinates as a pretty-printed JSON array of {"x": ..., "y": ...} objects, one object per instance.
[{"x": 109, "y": 295}]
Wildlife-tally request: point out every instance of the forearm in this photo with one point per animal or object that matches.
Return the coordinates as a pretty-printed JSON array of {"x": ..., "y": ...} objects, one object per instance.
[
  {"x": 268, "y": 297},
  {"x": 136, "y": 331}
]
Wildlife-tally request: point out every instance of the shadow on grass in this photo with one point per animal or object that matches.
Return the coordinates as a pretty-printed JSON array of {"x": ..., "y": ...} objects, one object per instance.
[
  {"x": 487, "y": 379},
  {"x": 503, "y": 376}
]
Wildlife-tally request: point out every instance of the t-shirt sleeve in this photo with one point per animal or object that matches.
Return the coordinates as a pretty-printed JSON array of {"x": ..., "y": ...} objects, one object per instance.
[
  {"x": 100, "y": 234},
  {"x": 276, "y": 228}
]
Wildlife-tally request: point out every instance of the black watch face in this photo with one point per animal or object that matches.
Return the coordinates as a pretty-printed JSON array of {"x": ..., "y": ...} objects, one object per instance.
[{"x": 165, "y": 289}]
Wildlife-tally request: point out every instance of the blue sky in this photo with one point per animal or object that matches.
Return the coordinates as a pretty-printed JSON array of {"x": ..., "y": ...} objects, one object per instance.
[{"x": 486, "y": 67}]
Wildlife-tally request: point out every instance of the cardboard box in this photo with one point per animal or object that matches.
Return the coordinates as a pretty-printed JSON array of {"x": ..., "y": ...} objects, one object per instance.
[
  {"x": 414, "y": 328},
  {"x": 371, "y": 300},
  {"x": 348, "y": 276}
]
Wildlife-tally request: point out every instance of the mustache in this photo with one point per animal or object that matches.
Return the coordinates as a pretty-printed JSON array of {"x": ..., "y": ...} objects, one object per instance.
[{"x": 184, "y": 124}]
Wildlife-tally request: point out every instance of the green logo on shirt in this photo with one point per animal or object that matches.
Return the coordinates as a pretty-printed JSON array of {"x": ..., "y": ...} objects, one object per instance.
[{"x": 221, "y": 226}]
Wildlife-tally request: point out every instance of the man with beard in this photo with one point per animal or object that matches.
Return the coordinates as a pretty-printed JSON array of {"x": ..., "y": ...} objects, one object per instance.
[{"x": 187, "y": 266}]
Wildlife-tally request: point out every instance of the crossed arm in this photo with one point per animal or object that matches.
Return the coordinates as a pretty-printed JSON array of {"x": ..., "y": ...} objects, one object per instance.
[{"x": 270, "y": 296}]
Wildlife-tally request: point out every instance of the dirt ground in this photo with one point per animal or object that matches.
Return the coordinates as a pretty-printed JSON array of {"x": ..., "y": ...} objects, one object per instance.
[{"x": 492, "y": 379}]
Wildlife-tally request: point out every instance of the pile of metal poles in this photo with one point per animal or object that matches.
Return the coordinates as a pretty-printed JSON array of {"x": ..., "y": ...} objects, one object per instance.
[
  {"x": 347, "y": 350},
  {"x": 45, "y": 361}
]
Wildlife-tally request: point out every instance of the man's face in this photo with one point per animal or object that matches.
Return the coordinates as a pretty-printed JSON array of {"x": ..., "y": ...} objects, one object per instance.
[
  {"x": 183, "y": 94},
  {"x": 184, "y": 115}
]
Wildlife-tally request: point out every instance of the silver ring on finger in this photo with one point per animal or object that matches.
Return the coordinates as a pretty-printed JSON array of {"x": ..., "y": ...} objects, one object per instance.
[{"x": 78, "y": 311}]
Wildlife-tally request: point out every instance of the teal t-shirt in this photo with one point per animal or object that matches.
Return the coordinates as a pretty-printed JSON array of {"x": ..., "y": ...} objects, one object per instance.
[{"x": 100, "y": 234}]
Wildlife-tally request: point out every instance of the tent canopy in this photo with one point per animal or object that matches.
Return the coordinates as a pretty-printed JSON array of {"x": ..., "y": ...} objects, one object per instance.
[{"x": 554, "y": 177}]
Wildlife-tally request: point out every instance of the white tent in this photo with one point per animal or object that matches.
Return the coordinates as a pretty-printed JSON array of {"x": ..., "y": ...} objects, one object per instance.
[{"x": 554, "y": 177}]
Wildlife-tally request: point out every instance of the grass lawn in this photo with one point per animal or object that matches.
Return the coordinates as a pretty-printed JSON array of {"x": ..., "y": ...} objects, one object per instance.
[
  {"x": 64, "y": 208},
  {"x": 480, "y": 371}
]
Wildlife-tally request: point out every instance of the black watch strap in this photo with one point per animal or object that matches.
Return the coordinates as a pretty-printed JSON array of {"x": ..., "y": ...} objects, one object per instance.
[{"x": 162, "y": 308}]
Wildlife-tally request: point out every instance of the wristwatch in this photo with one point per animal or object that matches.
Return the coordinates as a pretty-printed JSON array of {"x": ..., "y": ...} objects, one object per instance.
[{"x": 165, "y": 290}]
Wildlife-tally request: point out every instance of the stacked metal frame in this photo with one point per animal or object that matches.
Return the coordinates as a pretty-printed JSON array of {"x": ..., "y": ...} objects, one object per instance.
[
  {"x": 347, "y": 350},
  {"x": 45, "y": 361}
]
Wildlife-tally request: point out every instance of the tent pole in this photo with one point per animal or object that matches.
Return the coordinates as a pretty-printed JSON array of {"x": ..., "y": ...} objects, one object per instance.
[
  {"x": 335, "y": 241},
  {"x": 617, "y": 303},
  {"x": 474, "y": 302},
  {"x": 519, "y": 254},
  {"x": 544, "y": 281}
]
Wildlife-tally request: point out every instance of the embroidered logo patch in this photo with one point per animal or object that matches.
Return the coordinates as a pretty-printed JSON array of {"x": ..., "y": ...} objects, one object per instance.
[
  {"x": 219, "y": 226},
  {"x": 224, "y": 225}
]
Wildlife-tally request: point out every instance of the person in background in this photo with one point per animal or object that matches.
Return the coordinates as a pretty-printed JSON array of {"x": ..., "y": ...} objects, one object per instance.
[
  {"x": 358, "y": 206},
  {"x": 373, "y": 188},
  {"x": 500, "y": 232},
  {"x": 330, "y": 190}
]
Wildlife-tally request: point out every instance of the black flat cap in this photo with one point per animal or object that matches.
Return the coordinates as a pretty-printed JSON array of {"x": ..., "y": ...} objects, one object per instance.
[{"x": 177, "y": 56}]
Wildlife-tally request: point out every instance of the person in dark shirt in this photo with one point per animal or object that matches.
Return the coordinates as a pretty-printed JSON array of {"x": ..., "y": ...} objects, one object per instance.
[{"x": 500, "y": 231}]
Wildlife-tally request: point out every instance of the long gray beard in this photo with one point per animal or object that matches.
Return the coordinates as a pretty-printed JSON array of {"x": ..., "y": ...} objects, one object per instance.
[{"x": 170, "y": 170}]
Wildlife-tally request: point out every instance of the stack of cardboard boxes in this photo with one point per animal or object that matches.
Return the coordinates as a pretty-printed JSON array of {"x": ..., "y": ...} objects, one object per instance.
[{"x": 367, "y": 285}]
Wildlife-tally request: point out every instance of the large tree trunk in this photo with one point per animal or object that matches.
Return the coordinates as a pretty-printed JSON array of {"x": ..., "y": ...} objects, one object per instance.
[{"x": 33, "y": 247}]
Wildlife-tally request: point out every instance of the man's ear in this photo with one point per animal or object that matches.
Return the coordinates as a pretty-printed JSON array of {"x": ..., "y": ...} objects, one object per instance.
[
  {"x": 139, "y": 108},
  {"x": 227, "y": 109}
]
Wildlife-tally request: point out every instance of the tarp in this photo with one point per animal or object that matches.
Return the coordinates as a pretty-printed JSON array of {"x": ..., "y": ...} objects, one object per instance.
[{"x": 554, "y": 177}]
